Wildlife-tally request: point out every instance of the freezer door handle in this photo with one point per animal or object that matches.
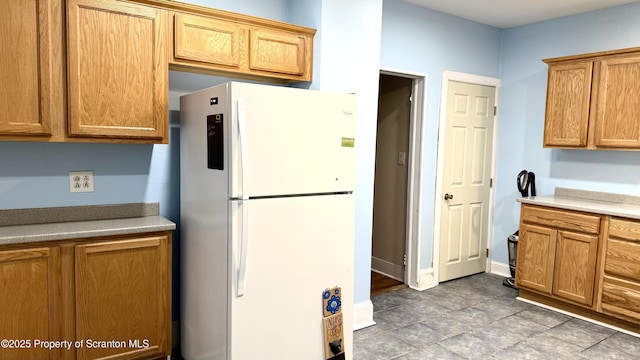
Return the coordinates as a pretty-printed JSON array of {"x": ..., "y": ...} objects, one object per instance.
[
  {"x": 244, "y": 243},
  {"x": 244, "y": 150}
]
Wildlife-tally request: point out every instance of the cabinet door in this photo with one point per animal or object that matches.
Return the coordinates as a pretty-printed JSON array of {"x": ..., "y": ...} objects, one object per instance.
[
  {"x": 118, "y": 70},
  {"x": 536, "y": 255},
  {"x": 280, "y": 52},
  {"x": 28, "y": 47},
  {"x": 618, "y": 103},
  {"x": 568, "y": 101},
  {"x": 123, "y": 297},
  {"x": 575, "y": 267},
  {"x": 29, "y": 302},
  {"x": 207, "y": 40}
]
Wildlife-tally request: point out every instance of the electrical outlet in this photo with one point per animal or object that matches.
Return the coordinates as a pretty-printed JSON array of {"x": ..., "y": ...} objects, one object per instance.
[{"x": 80, "y": 181}]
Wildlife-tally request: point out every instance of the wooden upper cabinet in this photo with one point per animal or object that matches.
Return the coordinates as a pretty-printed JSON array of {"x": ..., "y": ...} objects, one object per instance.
[
  {"x": 115, "y": 71},
  {"x": 617, "y": 116},
  {"x": 568, "y": 101},
  {"x": 593, "y": 102},
  {"x": 207, "y": 40},
  {"x": 30, "y": 71},
  {"x": 118, "y": 70},
  {"x": 223, "y": 43},
  {"x": 278, "y": 52},
  {"x": 30, "y": 301}
]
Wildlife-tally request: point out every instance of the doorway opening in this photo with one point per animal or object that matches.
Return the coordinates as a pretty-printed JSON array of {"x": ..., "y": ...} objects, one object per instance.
[{"x": 396, "y": 225}]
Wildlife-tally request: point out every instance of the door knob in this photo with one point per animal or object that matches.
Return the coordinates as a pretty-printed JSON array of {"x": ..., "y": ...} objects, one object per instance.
[{"x": 448, "y": 197}]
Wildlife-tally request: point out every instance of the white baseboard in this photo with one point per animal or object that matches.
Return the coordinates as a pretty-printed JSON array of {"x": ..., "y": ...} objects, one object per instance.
[
  {"x": 579, "y": 317},
  {"x": 363, "y": 315},
  {"x": 387, "y": 268},
  {"x": 501, "y": 269},
  {"x": 426, "y": 280}
]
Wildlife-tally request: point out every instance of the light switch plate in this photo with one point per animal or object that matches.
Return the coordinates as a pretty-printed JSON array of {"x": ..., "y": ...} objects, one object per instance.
[{"x": 402, "y": 158}]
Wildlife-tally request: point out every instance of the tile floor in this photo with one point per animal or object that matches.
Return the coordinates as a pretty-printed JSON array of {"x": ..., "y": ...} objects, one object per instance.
[{"x": 478, "y": 318}]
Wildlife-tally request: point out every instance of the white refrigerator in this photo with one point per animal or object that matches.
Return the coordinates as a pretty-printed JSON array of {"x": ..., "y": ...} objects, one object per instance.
[{"x": 267, "y": 220}]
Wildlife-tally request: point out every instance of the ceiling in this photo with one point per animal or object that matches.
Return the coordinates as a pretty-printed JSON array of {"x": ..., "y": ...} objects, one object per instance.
[{"x": 509, "y": 13}]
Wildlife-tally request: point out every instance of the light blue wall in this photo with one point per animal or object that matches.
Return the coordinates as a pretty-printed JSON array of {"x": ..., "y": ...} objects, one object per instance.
[
  {"x": 309, "y": 13},
  {"x": 349, "y": 30},
  {"x": 36, "y": 174},
  {"x": 523, "y": 96},
  {"x": 419, "y": 40},
  {"x": 268, "y": 9}
]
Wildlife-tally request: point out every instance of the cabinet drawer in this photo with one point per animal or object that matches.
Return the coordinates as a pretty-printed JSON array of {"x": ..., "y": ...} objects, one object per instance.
[
  {"x": 621, "y": 298},
  {"x": 624, "y": 229},
  {"x": 561, "y": 219},
  {"x": 623, "y": 259}
]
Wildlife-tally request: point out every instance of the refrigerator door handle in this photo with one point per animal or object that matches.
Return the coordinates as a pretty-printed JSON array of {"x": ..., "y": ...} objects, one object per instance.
[
  {"x": 244, "y": 243},
  {"x": 244, "y": 158},
  {"x": 244, "y": 150}
]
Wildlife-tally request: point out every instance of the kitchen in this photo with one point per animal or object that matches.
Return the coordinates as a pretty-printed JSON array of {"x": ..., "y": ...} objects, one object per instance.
[{"x": 411, "y": 38}]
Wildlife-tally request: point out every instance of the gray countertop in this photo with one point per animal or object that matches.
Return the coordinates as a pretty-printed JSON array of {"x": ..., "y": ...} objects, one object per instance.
[
  {"x": 589, "y": 201},
  {"x": 109, "y": 221}
]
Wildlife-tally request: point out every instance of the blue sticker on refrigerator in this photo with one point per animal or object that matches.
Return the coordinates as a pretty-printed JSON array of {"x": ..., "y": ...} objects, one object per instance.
[{"x": 215, "y": 145}]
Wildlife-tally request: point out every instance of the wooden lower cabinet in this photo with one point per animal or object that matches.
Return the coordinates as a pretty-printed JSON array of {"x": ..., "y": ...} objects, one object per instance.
[
  {"x": 122, "y": 298},
  {"x": 554, "y": 261},
  {"x": 536, "y": 256},
  {"x": 620, "y": 285},
  {"x": 575, "y": 268},
  {"x": 29, "y": 302},
  {"x": 110, "y": 296},
  {"x": 584, "y": 263}
]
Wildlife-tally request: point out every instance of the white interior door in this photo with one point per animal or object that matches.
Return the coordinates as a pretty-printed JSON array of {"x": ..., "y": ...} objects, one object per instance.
[{"x": 466, "y": 179}]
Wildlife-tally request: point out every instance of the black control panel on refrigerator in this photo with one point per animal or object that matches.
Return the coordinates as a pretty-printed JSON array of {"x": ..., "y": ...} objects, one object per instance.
[{"x": 215, "y": 146}]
